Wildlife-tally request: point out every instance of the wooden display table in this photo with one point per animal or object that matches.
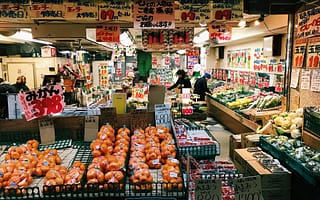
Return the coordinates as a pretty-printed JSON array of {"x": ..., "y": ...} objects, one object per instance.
[{"x": 233, "y": 121}]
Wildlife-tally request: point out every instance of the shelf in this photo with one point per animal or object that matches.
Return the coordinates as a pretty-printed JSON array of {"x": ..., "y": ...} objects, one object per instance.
[{"x": 233, "y": 121}]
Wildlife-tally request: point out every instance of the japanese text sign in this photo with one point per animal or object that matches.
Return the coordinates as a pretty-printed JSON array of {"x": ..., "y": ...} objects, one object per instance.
[
  {"x": 162, "y": 115},
  {"x": 208, "y": 189},
  {"x": 248, "y": 188},
  {"x": 12, "y": 11},
  {"x": 313, "y": 52},
  {"x": 41, "y": 102},
  {"x": 154, "y": 14},
  {"x": 121, "y": 11},
  {"x": 76, "y": 12},
  {"x": 308, "y": 23},
  {"x": 139, "y": 92},
  {"x": 108, "y": 33},
  {"x": 227, "y": 10},
  {"x": 220, "y": 32},
  {"x": 299, "y": 50},
  {"x": 193, "y": 12},
  {"x": 47, "y": 11}
]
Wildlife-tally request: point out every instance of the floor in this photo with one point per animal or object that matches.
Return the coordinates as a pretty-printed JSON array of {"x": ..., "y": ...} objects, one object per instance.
[{"x": 222, "y": 136}]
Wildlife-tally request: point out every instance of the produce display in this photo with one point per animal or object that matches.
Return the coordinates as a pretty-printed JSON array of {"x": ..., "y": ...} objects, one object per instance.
[
  {"x": 289, "y": 123},
  {"x": 210, "y": 169},
  {"x": 304, "y": 156}
]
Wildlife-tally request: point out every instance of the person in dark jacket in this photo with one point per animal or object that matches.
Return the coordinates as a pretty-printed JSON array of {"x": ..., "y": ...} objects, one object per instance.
[
  {"x": 182, "y": 82},
  {"x": 5, "y": 88},
  {"x": 20, "y": 84},
  {"x": 201, "y": 87}
]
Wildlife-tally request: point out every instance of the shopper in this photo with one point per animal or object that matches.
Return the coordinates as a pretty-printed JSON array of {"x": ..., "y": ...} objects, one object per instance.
[
  {"x": 201, "y": 87},
  {"x": 20, "y": 84},
  {"x": 127, "y": 84},
  {"x": 182, "y": 82},
  {"x": 136, "y": 75},
  {"x": 5, "y": 88}
]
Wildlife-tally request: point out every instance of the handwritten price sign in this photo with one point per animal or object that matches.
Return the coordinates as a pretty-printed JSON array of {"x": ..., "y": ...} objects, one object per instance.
[{"x": 41, "y": 102}]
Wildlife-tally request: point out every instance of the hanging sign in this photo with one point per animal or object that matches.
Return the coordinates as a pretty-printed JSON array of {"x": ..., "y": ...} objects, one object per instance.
[
  {"x": 47, "y": 11},
  {"x": 305, "y": 79},
  {"x": 299, "y": 49},
  {"x": 108, "y": 33},
  {"x": 161, "y": 76},
  {"x": 139, "y": 92},
  {"x": 208, "y": 189},
  {"x": 248, "y": 188},
  {"x": 192, "y": 12},
  {"x": 220, "y": 32},
  {"x": 154, "y": 14},
  {"x": 41, "y": 102},
  {"x": 12, "y": 11},
  {"x": 315, "y": 81},
  {"x": 227, "y": 10},
  {"x": 313, "y": 55},
  {"x": 308, "y": 23},
  {"x": 76, "y": 12},
  {"x": 119, "y": 11},
  {"x": 162, "y": 115}
]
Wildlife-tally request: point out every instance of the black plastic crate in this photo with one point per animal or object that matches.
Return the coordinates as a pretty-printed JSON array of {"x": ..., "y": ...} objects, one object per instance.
[
  {"x": 59, "y": 144},
  {"x": 311, "y": 121},
  {"x": 20, "y": 193},
  {"x": 20, "y": 137}
]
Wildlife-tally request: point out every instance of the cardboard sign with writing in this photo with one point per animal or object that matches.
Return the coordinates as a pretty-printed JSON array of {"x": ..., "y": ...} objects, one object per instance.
[
  {"x": 154, "y": 14},
  {"x": 47, "y": 132},
  {"x": 208, "y": 189},
  {"x": 47, "y": 11},
  {"x": 162, "y": 115},
  {"x": 12, "y": 12},
  {"x": 108, "y": 33},
  {"x": 80, "y": 12},
  {"x": 248, "y": 188},
  {"x": 120, "y": 11},
  {"x": 91, "y": 127},
  {"x": 41, "y": 102}
]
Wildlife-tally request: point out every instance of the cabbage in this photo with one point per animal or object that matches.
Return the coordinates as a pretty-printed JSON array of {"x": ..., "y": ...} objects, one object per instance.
[{"x": 295, "y": 133}]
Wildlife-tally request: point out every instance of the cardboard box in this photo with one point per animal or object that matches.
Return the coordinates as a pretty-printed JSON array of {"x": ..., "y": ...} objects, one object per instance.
[
  {"x": 269, "y": 180},
  {"x": 234, "y": 143},
  {"x": 48, "y": 51},
  {"x": 311, "y": 139},
  {"x": 276, "y": 194},
  {"x": 91, "y": 127},
  {"x": 47, "y": 131},
  {"x": 240, "y": 158}
]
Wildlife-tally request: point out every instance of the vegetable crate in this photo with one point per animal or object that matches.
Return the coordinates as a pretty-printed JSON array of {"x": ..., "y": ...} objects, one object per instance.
[{"x": 312, "y": 121}]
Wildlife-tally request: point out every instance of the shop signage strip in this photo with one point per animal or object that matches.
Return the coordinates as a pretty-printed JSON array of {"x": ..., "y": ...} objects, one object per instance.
[{"x": 108, "y": 33}]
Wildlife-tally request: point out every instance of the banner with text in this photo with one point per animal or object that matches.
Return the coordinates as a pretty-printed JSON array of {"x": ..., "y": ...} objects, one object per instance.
[
  {"x": 13, "y": 12},
  {"x": 313, "y": 53},
  {"x": 299, "y": 50},
  {"x": 154, "y": 14},
  {"x": 108, "y": 33},
  {"x": 41, "y": 102},
  {"x": 308, "y": 23},
  {"x": 220, "y": 32},
  {"x": 121, "y": 11},
  {"x": 47, "y": 11},
  {"x": 76, "y": 12}
]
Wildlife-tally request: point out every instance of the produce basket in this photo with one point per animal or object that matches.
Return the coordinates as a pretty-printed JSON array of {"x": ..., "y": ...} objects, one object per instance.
[
  {"x": 312, "y": 120},
  {"x": 21, "y": 193},
  {"x": 271, "y": 149}
]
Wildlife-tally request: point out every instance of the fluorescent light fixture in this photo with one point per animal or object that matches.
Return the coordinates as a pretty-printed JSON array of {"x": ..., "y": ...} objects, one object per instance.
[
  {"x": 26, "y": 35},
  {"x": 242, "y": 24},
  {"x": 125, "y": 40},
  {"x": 181, "y": 51},
  {"x": 202, "y": 37}
]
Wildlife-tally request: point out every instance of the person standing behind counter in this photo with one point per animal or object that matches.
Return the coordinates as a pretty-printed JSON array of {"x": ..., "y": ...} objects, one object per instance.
[
  {"x": 182, "y": 82},
  {"x": 20, "y": 84},
  {"x": 201, "y": 87}
]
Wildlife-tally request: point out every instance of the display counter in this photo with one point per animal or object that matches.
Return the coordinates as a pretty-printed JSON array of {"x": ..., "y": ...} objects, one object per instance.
[{"x": 233, "y": 121}]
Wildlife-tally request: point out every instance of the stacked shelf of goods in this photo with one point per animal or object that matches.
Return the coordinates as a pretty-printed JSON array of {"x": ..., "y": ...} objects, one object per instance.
[
  {"x": 194, "y": 140},
  {"x": 213, "y": 170},
  {"x": 296, "y": 155},
  {"x": 109, "y": 166}
]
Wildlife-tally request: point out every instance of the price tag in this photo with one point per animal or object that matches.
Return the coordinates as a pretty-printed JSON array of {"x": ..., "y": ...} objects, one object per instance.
[
  {"x": 162, "y": 115},
  {"x": 173, "y": 175},
  {"x": 207, "y": 189},
  {"x": 248, "y": 188}
]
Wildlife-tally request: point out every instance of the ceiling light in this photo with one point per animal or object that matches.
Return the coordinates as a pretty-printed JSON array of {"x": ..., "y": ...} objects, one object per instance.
[
  {"x": 26, "y": 35},
  {"x": 203, "y": 23},
  {"x": 181, "y": 51},
  {"x": 242, "y": 23},
  {"x": 125, "y": 39},
  {"x": 202, "y": 37}
]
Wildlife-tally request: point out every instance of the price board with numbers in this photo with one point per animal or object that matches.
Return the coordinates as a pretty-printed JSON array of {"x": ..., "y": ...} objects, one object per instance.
[{"x": 162, "y": 115}]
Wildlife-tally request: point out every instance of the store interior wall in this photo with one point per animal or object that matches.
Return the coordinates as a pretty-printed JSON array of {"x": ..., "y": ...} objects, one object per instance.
[{"x": 42, "y": 66}]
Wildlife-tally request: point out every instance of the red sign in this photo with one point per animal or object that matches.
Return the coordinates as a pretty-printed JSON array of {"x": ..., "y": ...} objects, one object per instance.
[
  {"x": 220, "y": 32},
  {"x": 313, "y": 55},
  {"x": 108, "y": 33},
  {"x": 41, "y": 102},
  {"x": 308, "y": 23}
]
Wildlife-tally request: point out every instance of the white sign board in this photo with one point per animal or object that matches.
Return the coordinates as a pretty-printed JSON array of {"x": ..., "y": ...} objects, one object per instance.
[{"x": 162, "y": 115}]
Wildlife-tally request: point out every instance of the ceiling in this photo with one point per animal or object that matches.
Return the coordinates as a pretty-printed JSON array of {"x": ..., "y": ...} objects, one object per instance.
[{"x": 66, "y": 35}]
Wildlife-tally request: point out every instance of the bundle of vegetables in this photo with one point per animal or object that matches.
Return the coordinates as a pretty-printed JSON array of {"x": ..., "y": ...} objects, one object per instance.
[
  {"x": 239, "y": 103},
  {"x": 265, "y": 102},
  {"x": 289, "y": 123},
  {"x": 309, "y": 157}
]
